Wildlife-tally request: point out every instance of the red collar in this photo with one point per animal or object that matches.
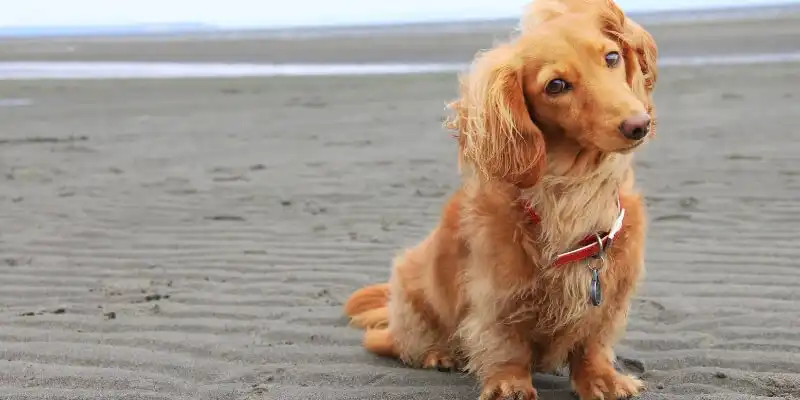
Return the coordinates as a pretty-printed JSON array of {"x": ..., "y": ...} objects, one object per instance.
[{"x": 590, "y": 246}]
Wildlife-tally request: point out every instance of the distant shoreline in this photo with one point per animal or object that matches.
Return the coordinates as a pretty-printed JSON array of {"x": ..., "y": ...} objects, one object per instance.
[
  {"x": 191, "y": 29},
  {"x": 177, "y": 70}
]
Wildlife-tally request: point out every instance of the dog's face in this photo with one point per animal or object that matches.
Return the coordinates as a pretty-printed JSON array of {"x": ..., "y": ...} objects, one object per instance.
[
  {"x": 575, "y": 77},
  {"x": 575, "y": 82}
]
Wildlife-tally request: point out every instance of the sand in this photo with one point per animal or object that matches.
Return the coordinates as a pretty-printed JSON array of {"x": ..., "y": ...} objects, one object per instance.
[{"x": 195, "y": 239}]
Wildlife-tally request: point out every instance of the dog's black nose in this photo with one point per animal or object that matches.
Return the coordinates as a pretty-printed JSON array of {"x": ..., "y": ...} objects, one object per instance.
[{"x": 635, "y": 127}]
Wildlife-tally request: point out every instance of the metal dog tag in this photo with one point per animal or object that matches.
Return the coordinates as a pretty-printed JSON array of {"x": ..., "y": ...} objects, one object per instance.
[{"x": 595, "y": 290}]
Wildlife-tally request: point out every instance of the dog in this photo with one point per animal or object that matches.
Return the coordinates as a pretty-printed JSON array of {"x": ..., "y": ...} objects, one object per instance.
[{"x": 537, "y": 254}]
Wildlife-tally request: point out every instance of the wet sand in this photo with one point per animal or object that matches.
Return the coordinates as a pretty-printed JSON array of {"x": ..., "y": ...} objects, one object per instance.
[{"x": 195, "y": 239}]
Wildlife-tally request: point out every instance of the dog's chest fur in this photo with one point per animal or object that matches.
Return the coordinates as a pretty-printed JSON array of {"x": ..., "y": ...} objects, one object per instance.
[
  {"x": 569, "y": 209},
  {"x": 572, "y": 207}
]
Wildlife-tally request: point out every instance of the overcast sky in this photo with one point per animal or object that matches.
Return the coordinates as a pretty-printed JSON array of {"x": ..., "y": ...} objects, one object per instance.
[{"x": 267, "y": 13}]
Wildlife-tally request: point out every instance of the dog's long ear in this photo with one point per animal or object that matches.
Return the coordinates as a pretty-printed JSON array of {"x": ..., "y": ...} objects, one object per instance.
[
  {"x": 496, "y": 134},
  {"x": 646, "y": 51}
]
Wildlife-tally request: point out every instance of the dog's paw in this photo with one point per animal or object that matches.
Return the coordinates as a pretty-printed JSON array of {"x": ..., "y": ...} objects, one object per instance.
[
  {"x": 439, "y": 360},
  {"x": 626, "y": 386},
  {"x": 608, "y": 387},
  {"x": 508, "y": 389}
]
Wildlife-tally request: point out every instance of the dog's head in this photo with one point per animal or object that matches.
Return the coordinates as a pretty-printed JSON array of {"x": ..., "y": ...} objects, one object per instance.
[{"x": 581, "y": 77}]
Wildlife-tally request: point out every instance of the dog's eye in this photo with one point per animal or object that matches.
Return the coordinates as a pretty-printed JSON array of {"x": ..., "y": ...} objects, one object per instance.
[
  {"x": 612, "y": 59},
  {"x": 556, "y": 86}
]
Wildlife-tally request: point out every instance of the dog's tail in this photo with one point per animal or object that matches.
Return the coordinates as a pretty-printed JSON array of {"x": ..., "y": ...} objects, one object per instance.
[
  {"x": 380, "y": 342},
  {"x": 368, "y": 309}
]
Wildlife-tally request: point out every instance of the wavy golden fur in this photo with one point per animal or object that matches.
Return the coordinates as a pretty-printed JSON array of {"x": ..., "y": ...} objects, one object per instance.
[{"x": 479, "y": 292}]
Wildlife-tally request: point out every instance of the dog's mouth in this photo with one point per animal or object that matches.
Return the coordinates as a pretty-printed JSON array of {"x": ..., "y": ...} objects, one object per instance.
[{"x": 631, "y": 147}]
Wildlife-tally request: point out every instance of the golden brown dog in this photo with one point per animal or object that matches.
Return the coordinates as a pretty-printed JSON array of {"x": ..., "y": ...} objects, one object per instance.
[{"x": 508, "y": 281}]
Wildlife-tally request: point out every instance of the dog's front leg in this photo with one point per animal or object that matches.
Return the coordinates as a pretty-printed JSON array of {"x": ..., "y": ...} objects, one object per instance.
[
  {"x": 498, "y": 355},
  {"x": 591, "y": 363},
  {"x": 496, "y": 346},
  {"x": 594, "y": 377}
]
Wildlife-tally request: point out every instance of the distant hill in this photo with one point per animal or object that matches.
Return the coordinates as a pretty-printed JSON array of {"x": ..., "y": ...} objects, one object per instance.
[
  {"x": 732, "y": 12},
  {"x": 106, "y": 30}
]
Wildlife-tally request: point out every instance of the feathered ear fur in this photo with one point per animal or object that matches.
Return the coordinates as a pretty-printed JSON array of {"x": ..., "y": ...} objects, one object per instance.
[
  {"x": 496, "y": 134},
  {"x": 646, "y": 50}
]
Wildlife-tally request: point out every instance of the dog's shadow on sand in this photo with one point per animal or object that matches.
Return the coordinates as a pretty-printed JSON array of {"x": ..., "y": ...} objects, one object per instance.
[{"x": 553, "y": 387}]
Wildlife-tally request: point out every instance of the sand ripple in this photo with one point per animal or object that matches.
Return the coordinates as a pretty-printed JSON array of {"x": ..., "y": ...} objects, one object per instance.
[{"x": 201, "y": 239}]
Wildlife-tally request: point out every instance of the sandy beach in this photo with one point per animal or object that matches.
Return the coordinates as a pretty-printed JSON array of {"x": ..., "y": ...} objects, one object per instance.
[{"x": 195, "y": 238}]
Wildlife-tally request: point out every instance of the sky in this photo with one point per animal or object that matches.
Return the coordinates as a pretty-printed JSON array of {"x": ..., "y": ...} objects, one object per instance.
[{"x": 281, "y": 13}]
